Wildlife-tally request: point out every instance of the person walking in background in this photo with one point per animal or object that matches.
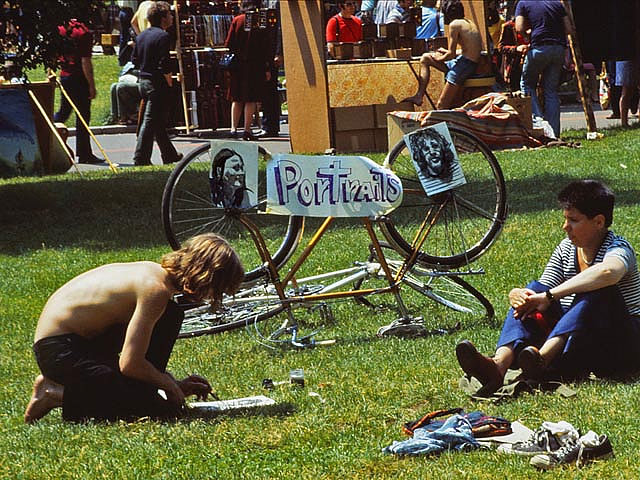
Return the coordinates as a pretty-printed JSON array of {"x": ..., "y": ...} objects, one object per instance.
[
  {"x": 549, "y": 26},
  {"x": 432, "y": 22},
  {"x": 400, "y": 13},
  {"x": 252, "y": 53},
  {"x": 140, "y": 19},
  {"x": 512, "y": 46},
  {"x": 76, "y": 78},
  {"x": 271, "y": 101},
  {"x": 151, "y": 58},
  {"x": 627, "y": 80}
]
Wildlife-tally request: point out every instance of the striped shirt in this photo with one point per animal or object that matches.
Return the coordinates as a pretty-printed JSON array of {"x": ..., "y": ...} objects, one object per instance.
[{"x": 563, "y": 265}]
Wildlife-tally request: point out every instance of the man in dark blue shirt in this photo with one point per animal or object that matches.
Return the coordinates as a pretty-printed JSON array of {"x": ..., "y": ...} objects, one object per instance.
[
  {"x": 151, "y": 57},
  {"x": 549, "y": 26}
]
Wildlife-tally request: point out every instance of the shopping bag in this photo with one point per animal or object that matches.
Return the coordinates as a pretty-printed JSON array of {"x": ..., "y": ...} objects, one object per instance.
[{"x": 228, "y": 61}]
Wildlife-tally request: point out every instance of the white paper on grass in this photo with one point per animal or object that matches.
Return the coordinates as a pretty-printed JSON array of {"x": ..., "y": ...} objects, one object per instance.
[
  {"x": 435, "y": 158},
  {"x": 233, "y": 171},
  {"x": 233, "y": 404},
  {"x": 336, "y": 186}
]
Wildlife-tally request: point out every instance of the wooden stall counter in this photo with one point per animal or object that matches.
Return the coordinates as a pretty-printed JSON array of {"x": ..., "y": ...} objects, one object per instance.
[
  {"x": 377, "y": 80},
  {"x": 362, "y": 92}
]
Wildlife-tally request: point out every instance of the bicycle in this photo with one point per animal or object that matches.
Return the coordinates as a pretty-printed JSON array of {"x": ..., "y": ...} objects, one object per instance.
[{"x": 461, "y": 225}]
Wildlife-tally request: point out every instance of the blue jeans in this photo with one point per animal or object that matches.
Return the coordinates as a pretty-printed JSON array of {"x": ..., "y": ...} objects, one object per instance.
[
  {"x": 545, "y": 60},
  {"x": 157, "y": 96},
  {"x": 603, "y": 337}
]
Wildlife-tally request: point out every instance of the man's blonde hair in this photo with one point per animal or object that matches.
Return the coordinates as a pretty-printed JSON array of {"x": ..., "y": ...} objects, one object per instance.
[{"x": 205, "y": 267}]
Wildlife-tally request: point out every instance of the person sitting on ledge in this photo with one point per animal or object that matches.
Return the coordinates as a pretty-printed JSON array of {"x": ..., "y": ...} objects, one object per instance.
[
  {"x": 583, "y": 315},
  {"x": 457, "y": 68},
  {"x": 104, "y": 338}
]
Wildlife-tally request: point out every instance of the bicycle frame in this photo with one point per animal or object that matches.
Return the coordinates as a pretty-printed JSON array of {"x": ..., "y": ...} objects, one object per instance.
[{"x": 358, "y": 272}]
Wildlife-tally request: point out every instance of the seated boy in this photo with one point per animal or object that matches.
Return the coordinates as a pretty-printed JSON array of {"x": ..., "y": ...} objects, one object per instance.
[
  {"x": 583, "y": 315},
  {"x": 457, "y": 68}
]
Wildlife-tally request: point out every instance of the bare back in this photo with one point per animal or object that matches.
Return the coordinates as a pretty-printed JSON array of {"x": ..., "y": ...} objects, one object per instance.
[
  {"x": 465, "y": 34},
  {"x": 108, "y": 295}
]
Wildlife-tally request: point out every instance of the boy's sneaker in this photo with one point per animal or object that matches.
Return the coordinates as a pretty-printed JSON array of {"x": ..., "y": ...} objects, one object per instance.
[
  {"x": 541, "y": 441},
  {"x": 587, "y": 448}
]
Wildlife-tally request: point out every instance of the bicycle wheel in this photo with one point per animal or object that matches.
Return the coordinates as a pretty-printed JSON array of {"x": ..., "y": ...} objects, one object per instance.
[
  {"x": 234, "y": 313},
  {"x": 187, "y": 210},
  {"x": 441, "y": 298},
  {"x": 471, "y": 217}
]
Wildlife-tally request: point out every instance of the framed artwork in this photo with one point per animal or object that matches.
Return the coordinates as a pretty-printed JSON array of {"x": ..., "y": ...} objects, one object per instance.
[
  {"x": 435, "y": 158},
  {"x": 19, "y": 149},
  {"x": 233, "y": 176}
]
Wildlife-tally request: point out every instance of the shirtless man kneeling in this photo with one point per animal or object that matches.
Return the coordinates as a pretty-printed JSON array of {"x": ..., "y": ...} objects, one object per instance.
[
  {"x": 457, "y": 69},
  {"x": 104, "y": 338}
]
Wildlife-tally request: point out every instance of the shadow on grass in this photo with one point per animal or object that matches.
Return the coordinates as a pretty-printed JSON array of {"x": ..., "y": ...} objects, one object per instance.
[
  {"x": 525, "y": 195},
  {"x": 97, "y": 211}
]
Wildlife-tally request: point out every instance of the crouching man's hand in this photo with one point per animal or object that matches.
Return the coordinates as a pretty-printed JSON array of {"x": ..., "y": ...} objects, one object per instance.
[
  {"x": 195, "y": 385},
  {"x": 173, "y": 391}
]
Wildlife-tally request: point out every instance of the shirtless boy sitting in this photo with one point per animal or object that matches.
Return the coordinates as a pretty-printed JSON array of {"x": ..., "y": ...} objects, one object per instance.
[
  {"x": 457, "y": 69},
  {"x": 104, "y": 338}
]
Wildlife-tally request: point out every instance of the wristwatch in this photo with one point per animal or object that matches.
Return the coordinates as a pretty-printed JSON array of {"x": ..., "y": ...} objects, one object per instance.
[{"x": 549, "y": 295}]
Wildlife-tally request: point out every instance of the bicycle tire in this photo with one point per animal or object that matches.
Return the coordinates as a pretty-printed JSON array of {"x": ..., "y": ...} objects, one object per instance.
[
  {"x": 454, "y": 293},
  {"x": 472, "y": 216},
  {"x": 187, "y": 210},
  {"x": 461, "y": 301},
  {"x": 202, "y": 320}
]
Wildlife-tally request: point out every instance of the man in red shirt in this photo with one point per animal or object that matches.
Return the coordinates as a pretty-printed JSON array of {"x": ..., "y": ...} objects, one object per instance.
[
  {"x": 344, "y": 26},
  {"x": 76, "y": 77}
]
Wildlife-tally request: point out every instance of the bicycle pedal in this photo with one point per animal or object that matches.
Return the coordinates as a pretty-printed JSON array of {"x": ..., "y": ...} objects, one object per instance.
[{"x": 403, "y": 328}]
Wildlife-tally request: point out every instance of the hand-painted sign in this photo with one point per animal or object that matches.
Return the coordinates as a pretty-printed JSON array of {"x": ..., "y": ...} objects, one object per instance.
[{"x": 322, "y": 186}]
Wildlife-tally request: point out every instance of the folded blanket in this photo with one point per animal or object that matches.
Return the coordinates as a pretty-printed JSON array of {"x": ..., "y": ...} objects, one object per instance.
[{"x": 488, "y": 117}]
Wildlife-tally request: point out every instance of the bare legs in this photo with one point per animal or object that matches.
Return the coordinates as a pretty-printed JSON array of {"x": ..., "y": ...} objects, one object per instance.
[
  {"x": 449, "y": 92},
  {"x": 625, "y": 102},
  {"x": 249, "y": 109},
  {"x": 236, "y": 111},
  {"x": 46, "y": 396}
]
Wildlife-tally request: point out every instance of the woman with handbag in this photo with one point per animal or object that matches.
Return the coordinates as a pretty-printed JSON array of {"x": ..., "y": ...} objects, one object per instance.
[{"x": 250, "y": 70}]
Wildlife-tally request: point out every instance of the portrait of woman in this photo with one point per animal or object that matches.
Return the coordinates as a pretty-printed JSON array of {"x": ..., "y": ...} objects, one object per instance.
[{"x": 227, "y": 179}]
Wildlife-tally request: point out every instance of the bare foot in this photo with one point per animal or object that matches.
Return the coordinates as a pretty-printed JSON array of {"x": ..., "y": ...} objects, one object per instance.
[
  {"x": 47, "y": 395},
  {"x": 416, "y": 99}
]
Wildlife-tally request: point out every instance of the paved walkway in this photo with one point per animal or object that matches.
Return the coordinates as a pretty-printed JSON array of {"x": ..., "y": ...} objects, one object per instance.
[{"x": 119, "y": 142}]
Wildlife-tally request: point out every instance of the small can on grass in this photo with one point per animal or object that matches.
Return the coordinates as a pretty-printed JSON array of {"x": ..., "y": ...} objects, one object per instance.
[{"x": 296, "y": 377}]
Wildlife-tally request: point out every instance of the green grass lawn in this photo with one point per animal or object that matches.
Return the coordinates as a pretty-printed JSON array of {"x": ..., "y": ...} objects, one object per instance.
[{"x": 57, "y": 227}]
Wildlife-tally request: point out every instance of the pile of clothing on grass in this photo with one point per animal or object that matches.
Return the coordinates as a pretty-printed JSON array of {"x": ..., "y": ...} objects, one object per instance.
[{"x": 551, "y": 445}]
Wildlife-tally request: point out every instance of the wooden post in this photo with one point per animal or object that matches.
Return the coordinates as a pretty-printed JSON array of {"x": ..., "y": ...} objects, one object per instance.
[
  {"x": 577, "y": 60},
  {"x": 306, "y": 66},
  {"x": 183, "y": 90}
]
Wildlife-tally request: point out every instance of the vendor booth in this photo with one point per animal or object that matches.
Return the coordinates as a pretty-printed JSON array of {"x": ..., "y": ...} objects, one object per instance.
[{"x": 343, "y": 103}]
